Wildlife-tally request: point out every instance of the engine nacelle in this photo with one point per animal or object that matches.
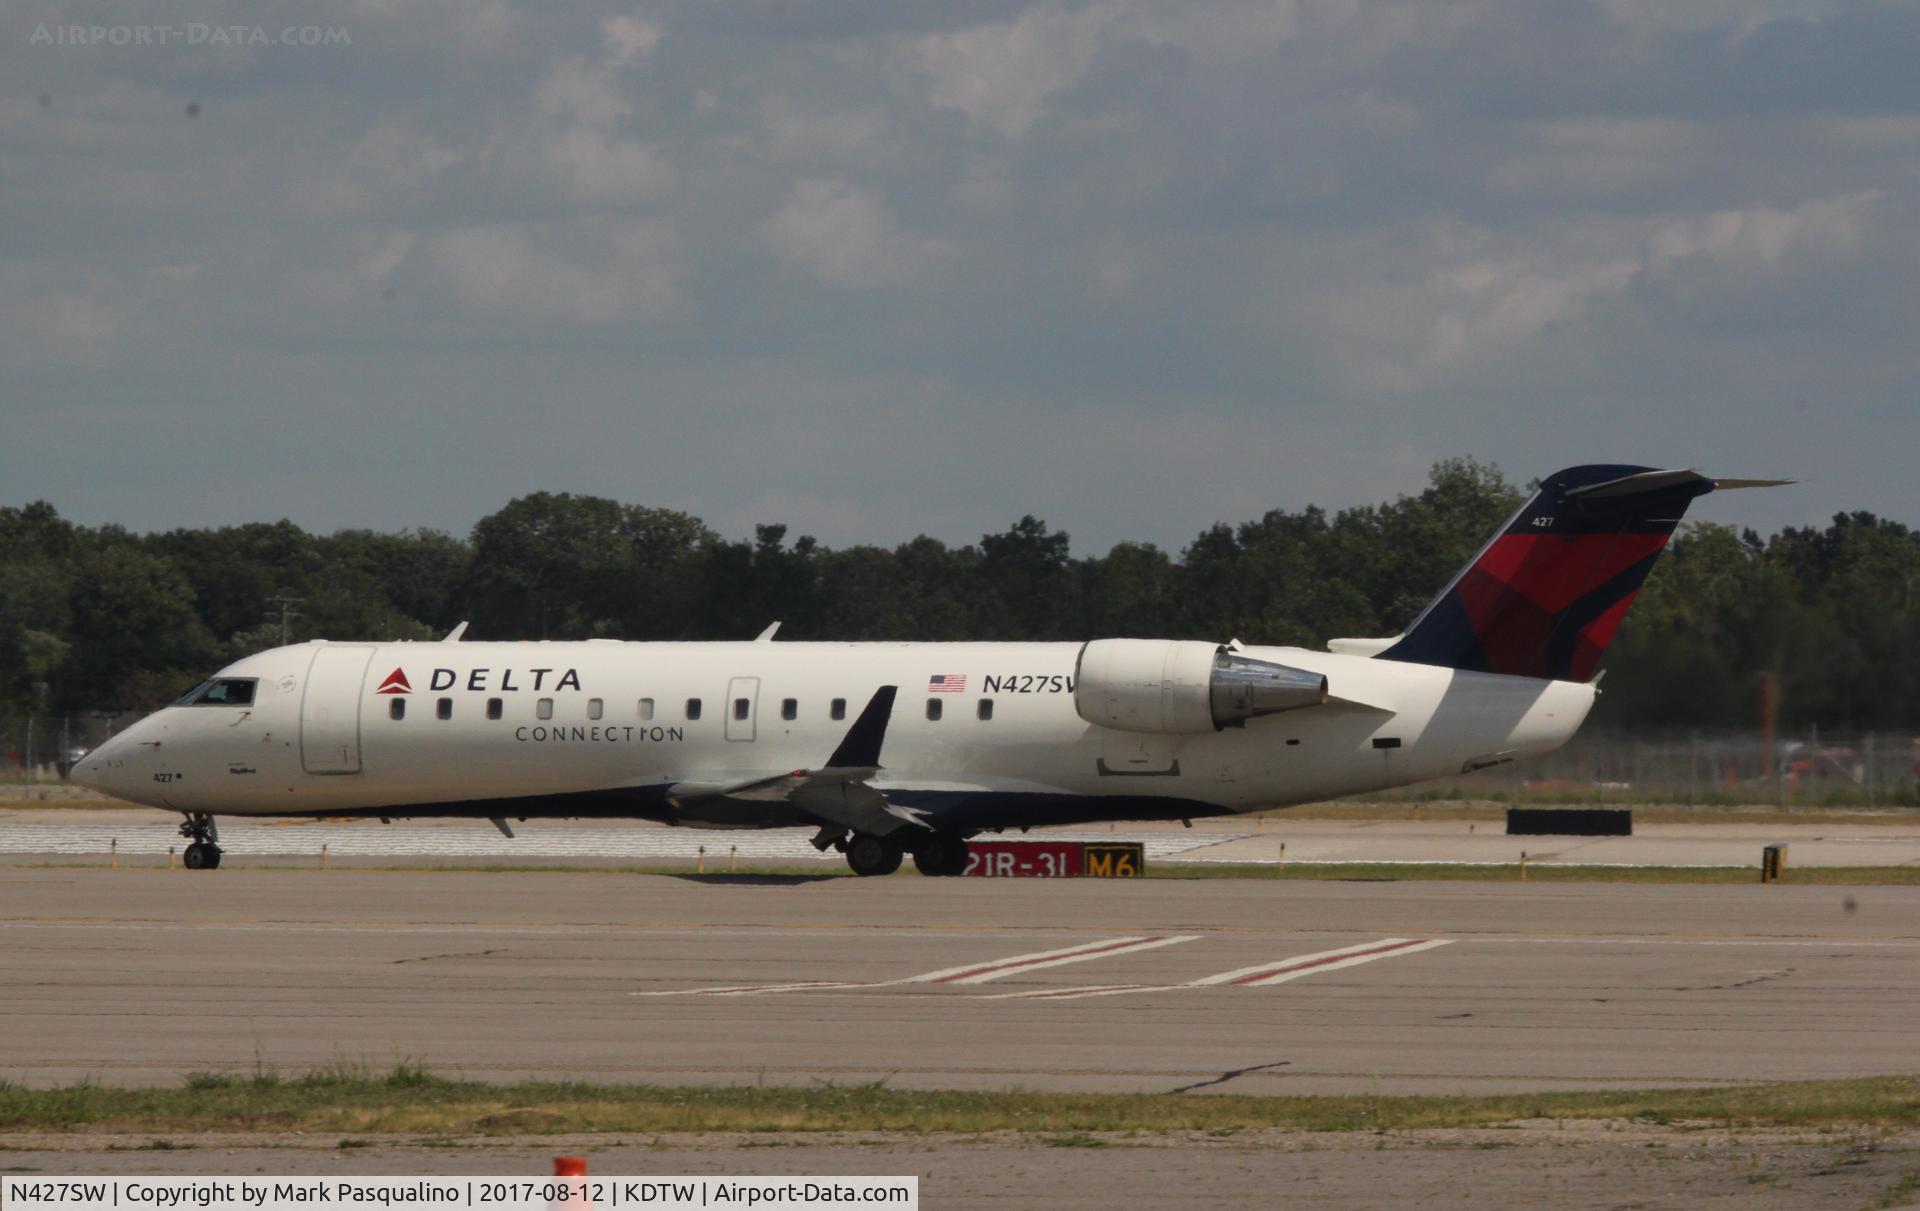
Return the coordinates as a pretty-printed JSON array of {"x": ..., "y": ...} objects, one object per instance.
[{"x": 1181, "y": 686}]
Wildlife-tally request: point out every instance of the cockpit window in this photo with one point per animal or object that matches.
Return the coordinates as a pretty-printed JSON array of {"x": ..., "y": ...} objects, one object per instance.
[{"x": 222, "y": 691}]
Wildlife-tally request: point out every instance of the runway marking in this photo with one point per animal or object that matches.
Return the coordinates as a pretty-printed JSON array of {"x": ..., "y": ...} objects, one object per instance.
[
  {"x": 1261, "y": 976},
  {"x": 1074, "y": 994},
  {"x": 980, "y": 973},
  {"x": 1326, "y": 960},
  {"x": 973, "y": 973},
  {"x": 747, "y": 990}
]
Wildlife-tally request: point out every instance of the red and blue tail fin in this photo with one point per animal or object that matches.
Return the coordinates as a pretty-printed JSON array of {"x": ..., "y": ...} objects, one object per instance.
[{"x": 1545, "y": 596}]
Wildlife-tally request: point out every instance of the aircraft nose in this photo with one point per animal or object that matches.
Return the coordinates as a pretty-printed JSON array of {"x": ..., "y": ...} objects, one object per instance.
[{"x": 109, "y": 768}]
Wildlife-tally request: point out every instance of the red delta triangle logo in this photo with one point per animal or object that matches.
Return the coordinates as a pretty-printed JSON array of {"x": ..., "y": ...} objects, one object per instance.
[{"x": 396, "y": 683}]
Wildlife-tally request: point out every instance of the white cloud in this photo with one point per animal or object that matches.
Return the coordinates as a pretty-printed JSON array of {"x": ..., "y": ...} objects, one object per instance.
[
  {"x": 587, "y": 97},
  {"x": 387, "y": 257},
  {"x": 600, "y": 168},
  {"x": 629, "y": 38},
  {"x": 75, "y": 320},
  {"x": 847, "y": 236},
  {"x": 1003, "y": 73},
  {"x": 1269, "y": 226},
  {"x": 391, "y": 162},
  {"x": 1761, "y": 237},
  {"x": 509, "y": 271},
  {"x": 795, "y": 133}
]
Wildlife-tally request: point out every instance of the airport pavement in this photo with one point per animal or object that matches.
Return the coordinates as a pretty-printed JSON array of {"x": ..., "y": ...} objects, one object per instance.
[
  {"x": 136, "y": 976},
  {"x": 1724, "y": 841}
]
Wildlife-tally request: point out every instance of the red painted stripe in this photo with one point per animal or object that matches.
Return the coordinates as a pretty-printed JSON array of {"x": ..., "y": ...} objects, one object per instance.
[
  {"x": 1287, "y": 967},
  {"x": 1054, "y": 958}
]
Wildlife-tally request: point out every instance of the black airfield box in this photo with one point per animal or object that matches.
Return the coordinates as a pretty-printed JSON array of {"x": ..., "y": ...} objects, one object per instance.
[{"x": 1569, "y": 822}]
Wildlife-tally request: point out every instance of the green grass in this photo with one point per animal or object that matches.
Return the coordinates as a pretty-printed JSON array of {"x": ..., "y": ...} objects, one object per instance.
[
  {"x": 1481, "y": 809},
  {"x": 1537, "y": 872},
  {"x": 410, "y": 1101}
]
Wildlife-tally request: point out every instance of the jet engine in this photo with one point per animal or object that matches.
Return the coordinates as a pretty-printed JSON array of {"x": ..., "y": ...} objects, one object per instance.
[{"x": 1180, "y": 686}]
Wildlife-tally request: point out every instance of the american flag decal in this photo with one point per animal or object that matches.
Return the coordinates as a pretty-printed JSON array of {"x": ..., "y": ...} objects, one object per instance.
[{"x": 947, "y": 683}]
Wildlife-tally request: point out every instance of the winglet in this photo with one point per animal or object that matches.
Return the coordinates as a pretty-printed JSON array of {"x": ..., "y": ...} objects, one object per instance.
[
  {"x": 453, "y": 636},
  {"x": 766, "y": 636},
  {"x": 862, "y": 744}
]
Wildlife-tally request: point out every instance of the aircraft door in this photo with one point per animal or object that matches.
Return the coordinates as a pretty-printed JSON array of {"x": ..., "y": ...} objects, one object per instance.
[
  {"x": 743, "y": 703},
  {"x": 330, "y": 709}
]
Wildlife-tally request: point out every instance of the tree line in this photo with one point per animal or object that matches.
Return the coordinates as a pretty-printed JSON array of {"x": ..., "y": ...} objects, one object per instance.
[{"x": 106, "y": 618}]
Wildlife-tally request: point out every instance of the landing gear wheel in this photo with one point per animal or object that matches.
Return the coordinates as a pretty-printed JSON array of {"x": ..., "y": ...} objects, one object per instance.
[
  {"x": 869, "y": 855},
  {"x": 204, "y": 853},
  {"x": 941, "y": 854},
  {"x": 958, "y": 857}
]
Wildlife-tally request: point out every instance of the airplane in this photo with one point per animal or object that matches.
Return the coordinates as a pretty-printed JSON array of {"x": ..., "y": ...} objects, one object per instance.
[{"x": 893, "y": 749}]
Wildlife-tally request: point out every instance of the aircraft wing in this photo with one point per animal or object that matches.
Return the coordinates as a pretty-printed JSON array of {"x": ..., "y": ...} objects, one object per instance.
[
  {"x": 830, "y": 795},
  {"x": 836, "y": 793}
]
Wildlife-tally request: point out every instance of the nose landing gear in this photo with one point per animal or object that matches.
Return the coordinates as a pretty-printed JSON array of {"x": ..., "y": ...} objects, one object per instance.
[{"x": 204, "y": 853}]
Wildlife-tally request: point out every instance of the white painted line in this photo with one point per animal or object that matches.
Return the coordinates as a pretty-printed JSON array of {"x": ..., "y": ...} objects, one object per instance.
[
  {"x": 1312, "y": 964},
  {"x": 1074, "y": 994},
  {"x": 980, "y": 973},
  {"x": 974, "y": 973},
  {"x": 1262, "y": 976},
  {"x": 748, "y": 990},
  {"x": 1230, "y": 977}
]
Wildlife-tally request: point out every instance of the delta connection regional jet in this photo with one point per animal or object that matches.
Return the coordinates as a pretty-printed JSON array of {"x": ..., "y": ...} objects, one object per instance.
[{"x": 891, "y": 749}]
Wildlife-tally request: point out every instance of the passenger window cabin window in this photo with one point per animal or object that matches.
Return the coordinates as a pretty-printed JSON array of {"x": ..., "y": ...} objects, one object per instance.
[
  {"x": 693, "y": 708},
  {"x": 740, "y": 708},
  {"x": 595, "y": 708},
  {"x": 397, "y": 708},
  {"x": 493, "y": 708},
  {"x": 543, "y": 709},
  {"x": 933, "y": 709},
  {"x": 986, "y": 709},
  {"x": 789, "y": 708},
  {"x": 839, "y": 710},
  {"x": 444, "y": 708},
  {"x": 646, "y": 708}
]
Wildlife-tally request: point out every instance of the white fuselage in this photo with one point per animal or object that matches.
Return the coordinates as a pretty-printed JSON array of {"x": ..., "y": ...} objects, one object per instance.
[{"x": 602, "y": 727}]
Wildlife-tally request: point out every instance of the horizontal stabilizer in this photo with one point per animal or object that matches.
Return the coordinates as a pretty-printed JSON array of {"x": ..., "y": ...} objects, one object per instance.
[
  {"x": 1361, "y": 647},
  {"x": 1727, "y": 485}
]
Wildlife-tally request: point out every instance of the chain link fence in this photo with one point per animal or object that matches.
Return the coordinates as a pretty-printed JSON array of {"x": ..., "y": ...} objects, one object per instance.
[
  {"x": 38, "y": 748},
  {"x": 1864, "y": 769}
]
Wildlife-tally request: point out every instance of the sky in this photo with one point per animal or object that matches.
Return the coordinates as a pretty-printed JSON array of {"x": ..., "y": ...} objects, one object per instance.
[{"x": 877, "y": 268}]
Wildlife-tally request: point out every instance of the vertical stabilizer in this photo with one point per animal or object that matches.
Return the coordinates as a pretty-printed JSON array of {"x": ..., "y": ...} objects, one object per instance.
[{"x": 1545, "y": 596}]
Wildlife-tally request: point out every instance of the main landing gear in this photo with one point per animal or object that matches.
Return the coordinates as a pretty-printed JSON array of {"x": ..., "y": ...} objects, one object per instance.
[
  {"x": 933, "y": 853},
  {"x": 204, "y": 853},
  {"x": 941, "y": 854},
  {"x": 871, "y": 855}
]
